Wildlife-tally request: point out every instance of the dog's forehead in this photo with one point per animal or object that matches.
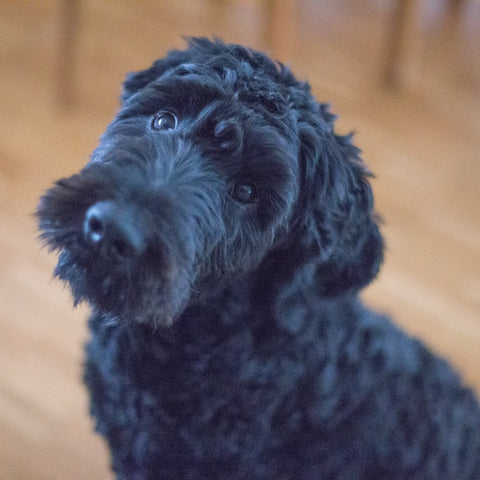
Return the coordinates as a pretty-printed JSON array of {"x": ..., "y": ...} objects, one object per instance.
[
  {"x": 189, "y": 80},
  {"x": 204, "y": 82},
  {"x": 239, "y": 77}
]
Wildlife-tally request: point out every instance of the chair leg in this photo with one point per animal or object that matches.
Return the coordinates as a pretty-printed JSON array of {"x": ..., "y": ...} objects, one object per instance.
[
  {"x": 455, "y": 7},
  {"x": 68, "y": 37},
  {"x": 403, "y": 46}
]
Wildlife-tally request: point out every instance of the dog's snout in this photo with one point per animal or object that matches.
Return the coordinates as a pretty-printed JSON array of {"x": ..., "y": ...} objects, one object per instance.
[{"x": 114, "y": 230}]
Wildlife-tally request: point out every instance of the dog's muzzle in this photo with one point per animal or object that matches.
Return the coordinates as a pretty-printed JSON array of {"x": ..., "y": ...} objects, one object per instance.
[{"x": 134, "y": 236}]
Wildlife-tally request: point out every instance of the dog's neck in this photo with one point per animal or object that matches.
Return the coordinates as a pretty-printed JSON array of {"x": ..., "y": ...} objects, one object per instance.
[{"x": 266, "y": 295}]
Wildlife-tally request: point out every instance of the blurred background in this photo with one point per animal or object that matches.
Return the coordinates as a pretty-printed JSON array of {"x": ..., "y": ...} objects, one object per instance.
[{"x": 404, "y": 74}]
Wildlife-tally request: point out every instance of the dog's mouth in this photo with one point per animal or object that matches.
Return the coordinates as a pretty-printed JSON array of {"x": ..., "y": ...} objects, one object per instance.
[
  {"x": 141, "y": 289},
  {"x": 108, "y": 260}
]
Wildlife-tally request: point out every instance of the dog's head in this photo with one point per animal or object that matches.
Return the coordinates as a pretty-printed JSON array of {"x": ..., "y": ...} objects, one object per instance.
[{"x": 217, "y": 160}]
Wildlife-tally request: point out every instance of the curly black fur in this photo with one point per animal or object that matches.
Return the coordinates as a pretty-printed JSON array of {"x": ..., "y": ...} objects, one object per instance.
[{"x": 228, "y": 340}]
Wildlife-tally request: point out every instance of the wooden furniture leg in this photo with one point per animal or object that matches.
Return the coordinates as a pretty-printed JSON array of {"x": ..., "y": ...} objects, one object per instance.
[
  {"x": 403, "y": 45},
  {"x": 68, "y": 34}
]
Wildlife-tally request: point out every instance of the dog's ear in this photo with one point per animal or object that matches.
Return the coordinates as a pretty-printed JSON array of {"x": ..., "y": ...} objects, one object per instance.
[
  {"x": 136, "y": 81},
  {"x": 197, "y": 48},
  {"x": 338, "y": 229}
]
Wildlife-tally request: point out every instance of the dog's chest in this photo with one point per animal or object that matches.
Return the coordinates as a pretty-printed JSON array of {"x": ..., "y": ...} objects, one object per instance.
[{"x": 213, "y": 391}]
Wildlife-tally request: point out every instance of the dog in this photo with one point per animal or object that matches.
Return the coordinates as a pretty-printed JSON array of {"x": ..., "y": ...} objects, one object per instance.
[{"x": 221, "y": 233}]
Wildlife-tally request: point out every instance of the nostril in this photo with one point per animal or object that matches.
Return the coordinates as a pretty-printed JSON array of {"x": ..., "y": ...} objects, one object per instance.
[
  {"x": 94, "y": 228},
  {"x": 114, "y": 229},
  {"x": 96, "y": 225}
]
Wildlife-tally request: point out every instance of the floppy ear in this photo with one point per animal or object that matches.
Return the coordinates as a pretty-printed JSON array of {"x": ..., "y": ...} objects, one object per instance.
[
  {"x": 337, "y": 228},
  {"x": 136, "y": 81},
  {"x": 196, "y": 48}
]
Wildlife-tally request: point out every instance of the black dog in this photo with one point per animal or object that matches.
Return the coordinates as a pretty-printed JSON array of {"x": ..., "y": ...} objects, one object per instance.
[{"x": 221, "y": 233}]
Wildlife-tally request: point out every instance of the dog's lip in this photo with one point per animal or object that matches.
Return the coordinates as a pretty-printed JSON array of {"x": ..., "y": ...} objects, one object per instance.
[
  {"x": 115, "y": 288},
  {"x": 119, "y": 312}
]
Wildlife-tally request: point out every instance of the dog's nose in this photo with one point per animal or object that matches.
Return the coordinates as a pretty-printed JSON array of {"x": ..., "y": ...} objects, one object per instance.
[{"x": 114, "y": 230}]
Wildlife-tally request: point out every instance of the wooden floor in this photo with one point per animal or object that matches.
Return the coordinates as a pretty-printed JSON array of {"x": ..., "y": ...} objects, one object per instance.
[{"x": 423, "y": 145}]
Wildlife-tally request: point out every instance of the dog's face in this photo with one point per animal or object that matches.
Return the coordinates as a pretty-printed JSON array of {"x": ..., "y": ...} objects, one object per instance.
[{"x": 208, "y": 167}]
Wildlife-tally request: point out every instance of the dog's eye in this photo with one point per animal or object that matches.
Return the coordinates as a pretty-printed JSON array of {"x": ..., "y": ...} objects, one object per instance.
[
  {"x": 164, "y": 121},
  {"x": 244, "y": 192}
]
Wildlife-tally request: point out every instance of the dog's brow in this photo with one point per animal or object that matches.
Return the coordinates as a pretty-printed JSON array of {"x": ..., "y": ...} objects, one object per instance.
[
  {"x": 182, "y": 95},
  {"x": 193, "y": 90}
]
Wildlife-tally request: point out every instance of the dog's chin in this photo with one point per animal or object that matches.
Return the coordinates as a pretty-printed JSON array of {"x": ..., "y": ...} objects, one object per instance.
[
  {"x": 161, "y": 317},
  {"x": 161, "y": 314},
  {"x": 121, "y": 294}
]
